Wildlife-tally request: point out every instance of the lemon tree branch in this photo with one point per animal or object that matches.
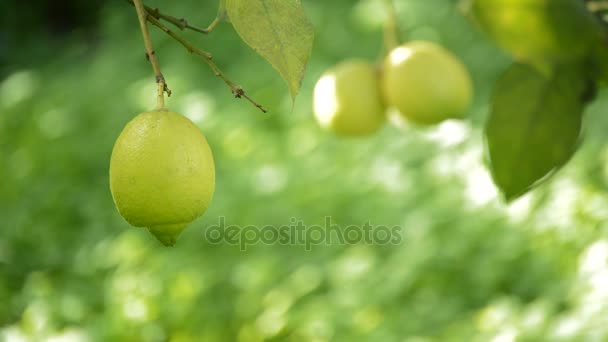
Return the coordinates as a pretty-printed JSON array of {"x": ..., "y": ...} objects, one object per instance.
[
  {"x": 236, "y": 90},
  {"x": 160, "y": 79},
  {"x": 180, "y": 23}
]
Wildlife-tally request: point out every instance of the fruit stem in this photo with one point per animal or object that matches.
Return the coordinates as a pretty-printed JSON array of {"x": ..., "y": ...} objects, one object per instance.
[
  {"x": 154, "y": 16},
  {"x": 151, "y": 55},
  {"x": 391, "y": 29}
]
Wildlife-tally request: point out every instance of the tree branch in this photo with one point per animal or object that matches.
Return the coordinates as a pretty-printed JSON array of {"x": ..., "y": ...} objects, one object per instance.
[
  {"x": 180, "y": 23},
  {"x": 154, "y": 16},
  {"x": 160, "y": 79},
  {"x": 236, "y": 90}
]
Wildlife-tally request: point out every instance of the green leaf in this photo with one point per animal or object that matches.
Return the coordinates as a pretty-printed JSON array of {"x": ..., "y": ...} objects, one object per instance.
[
  {"x": 538, "y": 30},
  {"x": 534, "y": 125},
  {"x": 279, "y": 31}
]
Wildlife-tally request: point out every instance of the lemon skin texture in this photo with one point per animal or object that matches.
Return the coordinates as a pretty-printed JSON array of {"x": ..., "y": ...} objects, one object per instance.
[
  {"x": 426, "y": 83},
  {"x": 162, "y": 174},
  {"x": 347, "y": 99}
]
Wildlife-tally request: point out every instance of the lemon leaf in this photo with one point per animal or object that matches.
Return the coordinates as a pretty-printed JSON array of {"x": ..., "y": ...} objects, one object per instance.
[
  {"x": 534, "y": 126},
  {"x": 279, "y": 31}
]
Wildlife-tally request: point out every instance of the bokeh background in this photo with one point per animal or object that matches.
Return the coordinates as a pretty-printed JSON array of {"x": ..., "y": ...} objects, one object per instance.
[{"x": 469, "y": 267}]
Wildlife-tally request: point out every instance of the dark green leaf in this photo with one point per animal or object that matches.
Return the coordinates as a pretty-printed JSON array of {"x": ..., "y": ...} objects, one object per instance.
[{"x": 534, "y": 125}]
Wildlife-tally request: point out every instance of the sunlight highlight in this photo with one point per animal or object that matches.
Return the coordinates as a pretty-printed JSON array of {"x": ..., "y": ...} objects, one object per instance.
[
  {"x": 399, "y": 55},
  {"x": 326, "y": 104},
  {"x": 18, "y": 87},
  {"x": 450, "y": 133},
  {"x": 480, "y": 188},
  {"x": 595, "y": 258},
  {"x": 135, "y": 309},
  {"x": 197, "y": 106},
  {"x": 270, "y": 179},
  {"x": 519, "y": 209},
  {"x": 593, "y": 270},
  {"x": 389, "y": 174},
  {"x": 271, "y": 322}
]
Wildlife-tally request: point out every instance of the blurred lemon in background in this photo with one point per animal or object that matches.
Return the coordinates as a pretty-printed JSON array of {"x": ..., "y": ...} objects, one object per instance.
[
  {"x": 426, "y": 83},
  {"x": 347, "y": 99}
]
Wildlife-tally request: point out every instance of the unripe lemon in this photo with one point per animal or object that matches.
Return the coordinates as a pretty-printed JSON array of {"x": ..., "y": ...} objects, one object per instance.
[
  {"x": 162, "y": 174},
  {"x": 426, "y": 83},
  {"x": 347, "y": 99},
  {"x": 553, "y": 31}
]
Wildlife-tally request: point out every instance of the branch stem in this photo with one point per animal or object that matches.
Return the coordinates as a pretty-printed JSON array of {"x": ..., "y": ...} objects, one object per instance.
[
  {"x": 213, "y": 24},
  {"x": 180, "y": 23},
  {"x": 391, "y": 29},
  {"x": 154, "y": 16},
  {"x": 236, "y": 90},
  {"x": 160, "y": 79}
]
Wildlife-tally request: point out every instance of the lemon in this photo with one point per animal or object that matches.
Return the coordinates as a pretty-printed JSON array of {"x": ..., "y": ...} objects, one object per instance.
[
  {"x": 162, "y": 174},
  {"x": 553, "y": 31},
  {"x": 426, "y": 83},
  {"x": 347, "y": 99}
]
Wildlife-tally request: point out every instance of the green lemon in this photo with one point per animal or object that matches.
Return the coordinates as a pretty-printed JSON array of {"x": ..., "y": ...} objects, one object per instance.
[
  {"x": 553, "y": 31},
  {"x": 426, "y": 83},
  {"x": 347, "y": 99},
  {"x": 162, "y": 174}
]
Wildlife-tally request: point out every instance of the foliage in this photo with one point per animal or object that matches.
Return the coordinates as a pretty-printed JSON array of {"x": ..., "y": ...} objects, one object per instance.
[
  {"x": 529, "y": 141},
  {"x": 278, "y": 30},
  {"x": 535, "y": 119}
]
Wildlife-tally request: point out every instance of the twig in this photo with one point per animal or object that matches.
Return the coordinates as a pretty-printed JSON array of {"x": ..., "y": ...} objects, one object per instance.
[
  {"x": 391, "y": 29},
  {"x": 213, "y": 24},
  {"x": 236, "y": 90},
  {"x": 160, "y": 79},
  {"x": 180, "y": 23}
]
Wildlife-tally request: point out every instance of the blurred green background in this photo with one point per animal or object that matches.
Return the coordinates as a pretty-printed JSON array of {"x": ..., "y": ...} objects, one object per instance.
[{"x": 468, "y": 268}]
